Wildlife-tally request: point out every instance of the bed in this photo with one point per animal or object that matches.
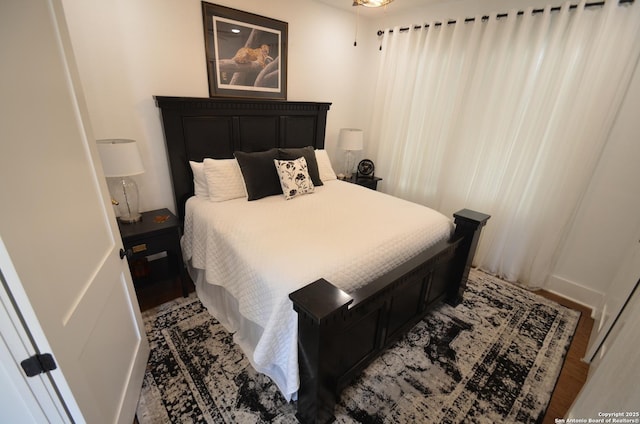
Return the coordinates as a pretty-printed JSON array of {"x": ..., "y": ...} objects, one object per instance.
[{"x": 310, "y": 317}]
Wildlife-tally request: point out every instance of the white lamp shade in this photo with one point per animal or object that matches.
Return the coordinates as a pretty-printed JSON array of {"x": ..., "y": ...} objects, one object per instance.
[
  {"x": 351, "y": 139},
  {"x": 120, "y": 157}
]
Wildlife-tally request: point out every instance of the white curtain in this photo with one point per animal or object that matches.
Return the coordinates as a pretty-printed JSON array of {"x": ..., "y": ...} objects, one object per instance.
[{"x": 507, "y": 116}]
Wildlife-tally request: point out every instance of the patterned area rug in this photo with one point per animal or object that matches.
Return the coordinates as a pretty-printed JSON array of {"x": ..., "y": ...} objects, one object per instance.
[{"x": 494, "y": 358}]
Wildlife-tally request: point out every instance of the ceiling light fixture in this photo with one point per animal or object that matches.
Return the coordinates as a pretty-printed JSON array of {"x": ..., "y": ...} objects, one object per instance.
[
  {"x": 371, "y": 3},
  {"x": 366, "y": 3}
]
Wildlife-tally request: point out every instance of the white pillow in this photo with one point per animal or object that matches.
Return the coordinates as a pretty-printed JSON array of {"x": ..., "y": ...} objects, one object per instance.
[
  {"x": 199, "y": 180},
  {"x": 294, "y": 177},
  {"x": 324, "y": 166},
  {"x": 224, "y": 179}
]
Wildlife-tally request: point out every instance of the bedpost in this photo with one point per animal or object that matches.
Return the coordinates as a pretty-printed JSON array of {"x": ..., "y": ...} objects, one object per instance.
[
  {"x": 468, "y": 226},
  {"x": 318, "y": 305}
]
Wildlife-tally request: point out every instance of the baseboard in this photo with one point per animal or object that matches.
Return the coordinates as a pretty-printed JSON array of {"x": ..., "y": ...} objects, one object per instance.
[{"x": 577, "y": 293}]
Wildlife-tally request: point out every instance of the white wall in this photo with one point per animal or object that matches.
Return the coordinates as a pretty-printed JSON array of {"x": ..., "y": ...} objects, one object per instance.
[
  {"x": 130, "y": 50},
  {"x": 608, "y": 222}
]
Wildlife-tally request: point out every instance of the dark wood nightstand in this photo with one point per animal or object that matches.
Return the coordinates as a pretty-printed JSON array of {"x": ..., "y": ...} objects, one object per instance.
[
  {"x": 158, "y": 231},
  {"x": 371, "y": 182}
]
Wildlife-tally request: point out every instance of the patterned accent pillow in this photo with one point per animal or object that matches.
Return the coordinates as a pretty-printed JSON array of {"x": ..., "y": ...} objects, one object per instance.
[
  {"x": 294, "y": 177},
  {"x": 309, "y": 155}
]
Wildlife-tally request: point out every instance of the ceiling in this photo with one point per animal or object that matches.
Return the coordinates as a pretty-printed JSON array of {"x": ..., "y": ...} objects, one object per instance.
[{"x": 395, "y": 6}]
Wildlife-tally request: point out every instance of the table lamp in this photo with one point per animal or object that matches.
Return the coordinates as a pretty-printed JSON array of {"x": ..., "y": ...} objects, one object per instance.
[
  {"x": 121, "y": 160},
  {"x": 350, "y": 140}
]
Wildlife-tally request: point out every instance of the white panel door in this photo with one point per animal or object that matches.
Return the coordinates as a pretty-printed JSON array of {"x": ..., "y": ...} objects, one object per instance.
[{"x": 56, "y": 219}]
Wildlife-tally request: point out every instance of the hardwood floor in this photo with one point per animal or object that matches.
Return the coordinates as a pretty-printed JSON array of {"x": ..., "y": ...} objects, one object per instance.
[
  {"x": 572, "y": 377},
  {"x": 574, "y": 371},
  {"x": 153, "y": 293}
]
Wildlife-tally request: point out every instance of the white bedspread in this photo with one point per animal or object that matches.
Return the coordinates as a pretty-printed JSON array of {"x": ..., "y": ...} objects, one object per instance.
[{"x": 260, "y": 251}]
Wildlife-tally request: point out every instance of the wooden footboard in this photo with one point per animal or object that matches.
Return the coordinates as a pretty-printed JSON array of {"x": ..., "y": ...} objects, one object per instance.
[{"x": 340, "y": 334}]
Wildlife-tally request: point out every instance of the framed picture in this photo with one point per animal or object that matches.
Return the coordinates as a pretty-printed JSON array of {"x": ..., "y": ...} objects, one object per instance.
[{"x": 246, "y": 53}]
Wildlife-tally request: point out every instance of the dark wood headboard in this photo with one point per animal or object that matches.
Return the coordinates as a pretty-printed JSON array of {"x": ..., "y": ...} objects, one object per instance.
[{"x": 199, "y": 128}]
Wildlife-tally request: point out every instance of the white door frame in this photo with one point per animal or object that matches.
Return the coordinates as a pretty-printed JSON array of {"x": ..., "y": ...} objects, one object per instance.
[{"x": 41, "y": 394}]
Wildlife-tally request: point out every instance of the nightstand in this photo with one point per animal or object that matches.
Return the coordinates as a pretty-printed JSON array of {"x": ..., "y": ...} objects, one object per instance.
[
  {"x": 371, "y": 183},
  {"x": 158, "y": 231}
]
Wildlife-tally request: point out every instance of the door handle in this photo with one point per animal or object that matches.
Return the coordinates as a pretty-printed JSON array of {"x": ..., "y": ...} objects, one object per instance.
[{"x": 126, "y": 253}]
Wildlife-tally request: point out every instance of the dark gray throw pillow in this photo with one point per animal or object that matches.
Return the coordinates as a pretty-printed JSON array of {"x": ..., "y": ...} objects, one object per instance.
[
  {"x": 309, "y": 155},
  {"x": 259, "y": 173}
]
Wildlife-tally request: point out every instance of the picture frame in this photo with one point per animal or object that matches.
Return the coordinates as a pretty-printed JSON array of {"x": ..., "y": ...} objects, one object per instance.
[{"x": 246, "y": 53}]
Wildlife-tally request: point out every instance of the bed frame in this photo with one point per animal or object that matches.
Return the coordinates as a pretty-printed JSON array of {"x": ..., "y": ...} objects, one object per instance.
[{"x": 339, "y": 334}]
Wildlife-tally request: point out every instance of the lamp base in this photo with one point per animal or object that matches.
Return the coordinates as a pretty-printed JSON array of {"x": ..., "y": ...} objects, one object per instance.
[
  {"x": 124, "y": 195},
  {"x": 131, "y": 219},
  {"x": 349, "y": 163}
]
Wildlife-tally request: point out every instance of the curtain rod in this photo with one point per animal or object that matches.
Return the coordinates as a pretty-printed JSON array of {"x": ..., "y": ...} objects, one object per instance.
[{"x": 504, "y": 15}]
